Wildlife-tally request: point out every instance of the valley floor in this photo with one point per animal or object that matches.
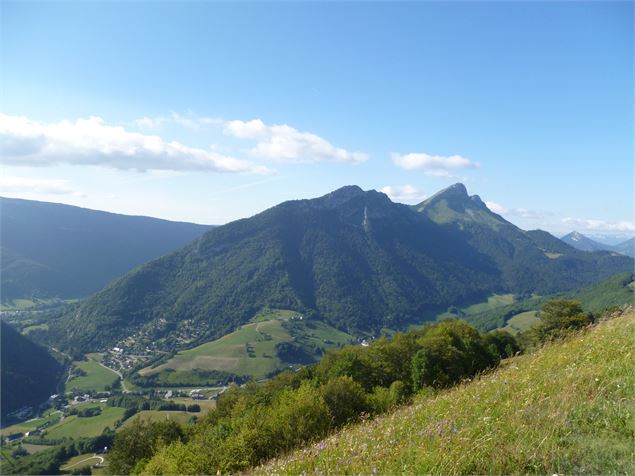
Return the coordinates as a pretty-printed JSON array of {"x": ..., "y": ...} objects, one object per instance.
[{"x": 568, "y": 408}]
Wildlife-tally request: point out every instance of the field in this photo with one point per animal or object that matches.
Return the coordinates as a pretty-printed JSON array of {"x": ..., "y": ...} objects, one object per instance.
[
  {"x": 521, "y": 322},
  {"x": 565, "y": 409},
  {"x": 32, "y": 449},
  {"x": 493, "y": 302},
  {"x": 95, "y": 380},
  {"x": 79, "y": 461},
  {"x": 251, "y": 350},
  {"x": 29, "y": 425},
  {"x": 154, "y": 415},
  {"x": 206, "y": 405},
  {"x": 75, "y": 427}
]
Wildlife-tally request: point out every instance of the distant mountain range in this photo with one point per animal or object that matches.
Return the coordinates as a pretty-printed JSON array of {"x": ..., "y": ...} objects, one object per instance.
[
  {"x": 584, "y": 243},
  {"x": 351, "y": 258},
  {"x": 53, "y": 250}
]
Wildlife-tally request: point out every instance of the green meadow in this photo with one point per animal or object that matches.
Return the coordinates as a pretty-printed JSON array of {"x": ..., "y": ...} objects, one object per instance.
[
  {"x": 565, "y": 409},
  {"x": 521, "y": 322},
  {"x": 97, "y": 378},
  {"x": 76, "y": 427}
]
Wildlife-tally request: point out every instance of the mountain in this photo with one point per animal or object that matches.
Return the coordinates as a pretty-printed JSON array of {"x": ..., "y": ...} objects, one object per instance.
[
  {"x": 351, "y": 258},
  {"x": 29, "y": 373},
  {"x": 528, "y": 262},
  {"x": 626, "y": 248},
  {"x": 584, "y": 243},
  {"x": 55, "y": 250}
]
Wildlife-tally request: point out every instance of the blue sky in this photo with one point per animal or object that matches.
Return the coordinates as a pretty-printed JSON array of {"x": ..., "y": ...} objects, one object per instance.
[{"x": 209, "y": 112}]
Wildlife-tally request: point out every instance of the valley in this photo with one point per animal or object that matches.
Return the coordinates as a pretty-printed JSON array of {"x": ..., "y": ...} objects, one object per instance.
[{"x": 325, "y": 277}]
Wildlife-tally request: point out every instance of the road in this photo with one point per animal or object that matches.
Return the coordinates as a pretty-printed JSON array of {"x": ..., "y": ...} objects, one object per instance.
[
  {"x": 101, "y": 461},
  {"x": 123, "y": 383}
]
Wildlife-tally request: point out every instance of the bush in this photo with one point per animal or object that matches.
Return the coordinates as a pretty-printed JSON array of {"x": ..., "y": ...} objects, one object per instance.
[{"x": 345, "y": 399}]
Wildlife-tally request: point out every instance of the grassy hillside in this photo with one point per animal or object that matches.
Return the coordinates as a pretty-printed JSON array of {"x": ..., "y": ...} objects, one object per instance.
[
  {"x": 252, "y": 350},
  {"x": 564, "y": 409},
  {"x": 616, "y": 290}
]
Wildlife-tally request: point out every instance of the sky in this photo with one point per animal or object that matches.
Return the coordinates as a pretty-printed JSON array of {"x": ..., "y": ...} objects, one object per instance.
[{"x": 209, "y": 112}]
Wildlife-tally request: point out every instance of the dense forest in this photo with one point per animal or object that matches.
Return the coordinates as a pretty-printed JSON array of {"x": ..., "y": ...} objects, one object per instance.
[{"x": 30, "y": 374}]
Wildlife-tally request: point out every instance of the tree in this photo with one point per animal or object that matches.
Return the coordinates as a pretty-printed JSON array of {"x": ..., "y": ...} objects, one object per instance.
[
  {"x": 559, "y": 317},
  {"x": 140, "y": 441},
  {"x": 345, "y": 398}
]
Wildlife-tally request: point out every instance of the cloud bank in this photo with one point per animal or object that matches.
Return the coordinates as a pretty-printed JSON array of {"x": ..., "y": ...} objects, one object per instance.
[
  {"x": 93, "y": 142},
  {"x": 599, "y": 225},
  {"x": 435, "y": 165},
  {"x": 284, "y": 143},
  {"x": 403, "y": 193},
  {"x": 13, "y": 184}
]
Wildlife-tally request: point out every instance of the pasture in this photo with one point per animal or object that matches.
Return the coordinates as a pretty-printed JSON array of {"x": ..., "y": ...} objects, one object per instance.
[
  {"x": 97, "y": 378},
  {"x": 75, "y": 427},
  {"x": 521, "y": 322}
]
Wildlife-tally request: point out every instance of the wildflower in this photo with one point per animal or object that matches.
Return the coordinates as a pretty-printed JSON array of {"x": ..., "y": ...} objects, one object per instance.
[{"x": 375, "y": 470}]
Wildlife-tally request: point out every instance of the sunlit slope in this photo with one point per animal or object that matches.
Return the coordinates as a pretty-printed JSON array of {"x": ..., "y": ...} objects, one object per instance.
[{"x": 566, "y": 409}]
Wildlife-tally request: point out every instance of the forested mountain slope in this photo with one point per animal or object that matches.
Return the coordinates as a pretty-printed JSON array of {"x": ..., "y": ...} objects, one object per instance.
[
  {"x": 29, "y": 373},
  {"x": 353, "y": 258},
  {"x": 55, "y": 250}
]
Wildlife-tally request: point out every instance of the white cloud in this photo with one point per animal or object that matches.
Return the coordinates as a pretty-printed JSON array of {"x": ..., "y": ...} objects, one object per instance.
[
  {"x": 515, "y": 212},
  {"x": 436, "y": 165},
  {"x": 92, "y": 142},
  {"x": 599, "y": 225},
  {"x": 149, "y": 123},
  {"x": 496, "y": 208},
  {"x": 403, "y": 193},
  {"x": 284, "y": 143},
  {"x": 13, "y": 184}
]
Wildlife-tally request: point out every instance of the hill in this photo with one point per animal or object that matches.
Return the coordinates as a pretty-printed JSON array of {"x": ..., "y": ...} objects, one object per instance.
[
  {"x": 584, "y": 243},
  {"x": 626, "y": 248},
  {"x": 29, "y": 373},
  {"x": 564, "y": 409},
  {"x": 353, "y": 259},
  {"x": 616, "y": 290},
  {"x": 55, "y": 250},
  {"x": 256, "y": 350}
]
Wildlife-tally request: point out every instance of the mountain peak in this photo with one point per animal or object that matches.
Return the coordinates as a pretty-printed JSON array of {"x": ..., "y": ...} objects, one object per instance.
[
  {"x": 457, "y": 189},
  {"x": 342, "y": 195}
]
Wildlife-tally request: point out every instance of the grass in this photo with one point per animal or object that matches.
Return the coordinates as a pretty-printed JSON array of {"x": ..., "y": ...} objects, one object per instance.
[
  {"x": 206, "y": 405},
  {"x": 270, "y": 314},
  {"x": 82, "y": 460},
  {"x": 95, "y": 380},
  {"x": 493, "y": 302},
  {"x": 36, "y": 327},
  {"x": 32, "y": 449},
  {"x": 251, "y": 350},
  {"x": 29, "y": 425},
  {"x": 567, "y": 408},
  {"x": 155, "y": 415},
  {"x": 75, "y": 427},
  {"x": 521, "y": 322}
]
